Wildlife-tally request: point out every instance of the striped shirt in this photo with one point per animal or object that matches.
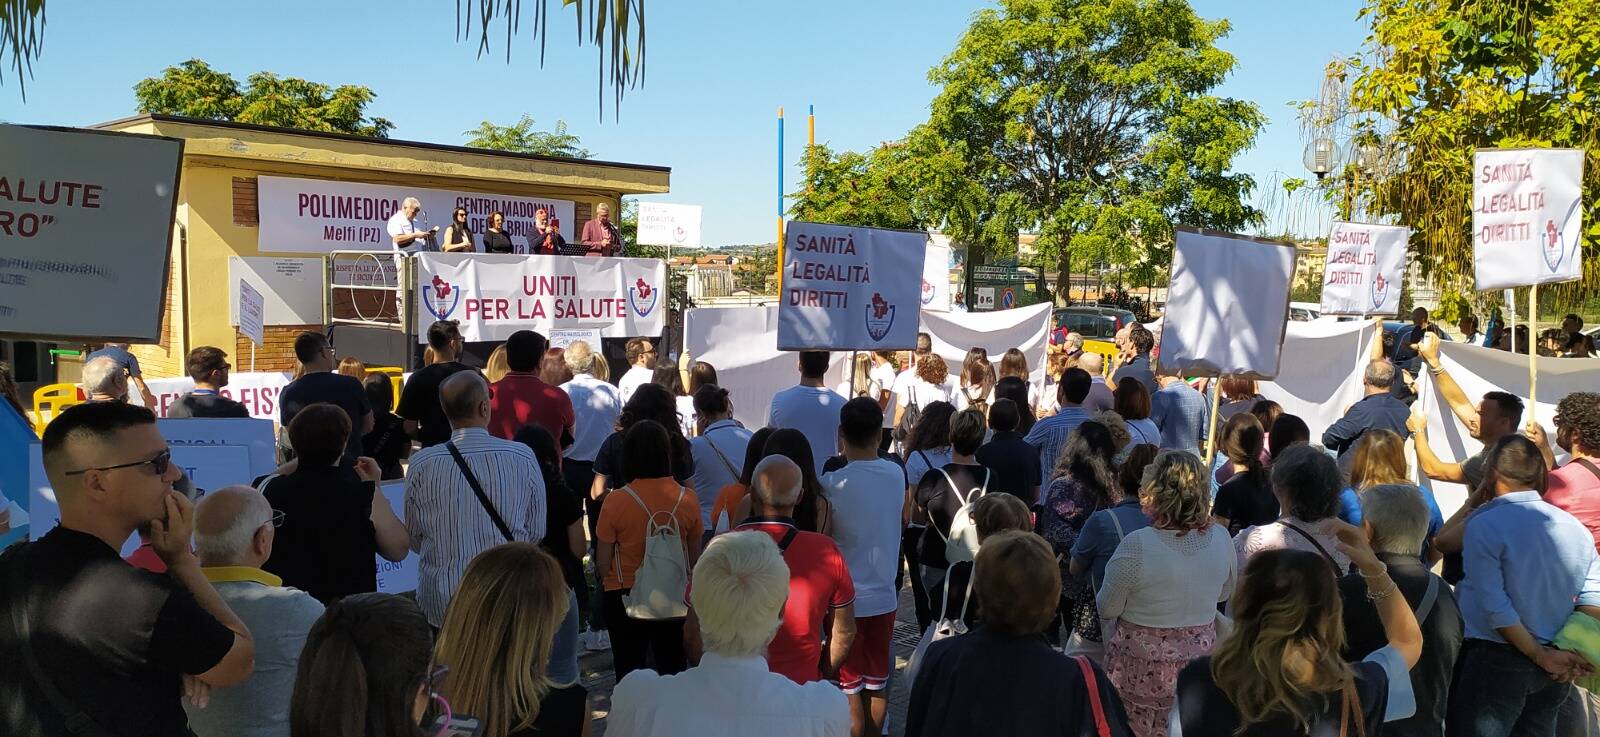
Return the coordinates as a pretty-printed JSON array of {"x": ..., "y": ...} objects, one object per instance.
[
  {"x": 447, "y": 524},
  {"x": 1049, "y": 436}
]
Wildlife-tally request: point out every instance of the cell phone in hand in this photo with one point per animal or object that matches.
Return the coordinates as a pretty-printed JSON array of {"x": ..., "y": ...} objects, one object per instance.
[{"x": 458, "y": 725}]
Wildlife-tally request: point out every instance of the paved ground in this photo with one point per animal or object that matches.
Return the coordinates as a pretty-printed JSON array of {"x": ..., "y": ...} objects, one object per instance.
[{"x": 598, "y": 678}]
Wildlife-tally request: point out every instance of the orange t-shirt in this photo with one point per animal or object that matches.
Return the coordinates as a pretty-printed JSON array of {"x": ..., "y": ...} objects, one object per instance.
[
  {"x": 728, "y": 503},
  {"x": 624, "y": 524}
]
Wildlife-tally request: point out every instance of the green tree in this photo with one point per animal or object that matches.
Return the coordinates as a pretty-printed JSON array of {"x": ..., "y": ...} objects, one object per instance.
[
  {"x": 193, "y": 89},
  {"x": 1438, "y": 80},
  {"x": 850, "y": 188},
  {"x": 520, "y": 137},
  {"x": 1092, "y": 122}
]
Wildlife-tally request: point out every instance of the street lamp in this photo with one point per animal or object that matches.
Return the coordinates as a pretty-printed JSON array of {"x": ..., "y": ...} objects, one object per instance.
[{"x": 1321, "y": 157}]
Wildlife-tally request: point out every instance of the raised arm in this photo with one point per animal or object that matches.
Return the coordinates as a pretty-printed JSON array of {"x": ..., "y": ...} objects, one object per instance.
[
  {"x": 1457, "y": 399},
  {"x": 1399, "y": 623},
  {"x": 1427, "y": 461}
]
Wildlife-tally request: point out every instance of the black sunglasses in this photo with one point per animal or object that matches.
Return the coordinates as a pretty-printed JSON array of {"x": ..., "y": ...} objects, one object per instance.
[{"x": 159, "y": 464}]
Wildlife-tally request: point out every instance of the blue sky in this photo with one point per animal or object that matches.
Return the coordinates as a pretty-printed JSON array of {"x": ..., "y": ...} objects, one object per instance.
[{"x": 717, "y": 72}]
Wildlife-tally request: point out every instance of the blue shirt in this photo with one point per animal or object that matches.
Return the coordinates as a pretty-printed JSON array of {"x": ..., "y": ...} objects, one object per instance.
[
  {"x": 1100, "y": 538},
  {"x": 1181, "y": 413},
  {"x": 1373, "y": 412},
  {"x": 1138, "y": 368},
  {"x": 1527, "y": 562},
  {"x": 1050, "y": 434},
  {"x": 121, "y": 355}
]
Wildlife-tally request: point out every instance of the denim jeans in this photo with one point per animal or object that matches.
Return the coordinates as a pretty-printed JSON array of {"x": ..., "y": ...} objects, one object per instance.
[
  {"x": 1499, "y": 692},
  {"x": 562, "y": 670}
]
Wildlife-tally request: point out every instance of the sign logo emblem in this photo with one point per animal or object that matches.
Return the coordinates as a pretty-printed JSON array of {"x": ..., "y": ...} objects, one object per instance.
[
  {"x": 642, "y": 298},
  {"x": 1380, "y": 291},
  {"x": 927, "y": 293},
  {"x": 1553, "y": 252},
  {"x": 880, "y": 317},
  {"x": 440, "y": 303}
]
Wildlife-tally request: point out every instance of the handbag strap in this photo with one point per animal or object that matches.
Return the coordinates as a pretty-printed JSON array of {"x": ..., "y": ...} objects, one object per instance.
[
  {"x": 483, "y": 498},
  {"x": 725, "y": 462},
  {"x": 1586, "y": 463},
  {"x": 1351, "y": 706},
  {"x": 1432, "y": 595},
  {"x": 1092, "y": 685},
  {"x": 1313, "y": 541},
  {"x": 77, "y": 722}
]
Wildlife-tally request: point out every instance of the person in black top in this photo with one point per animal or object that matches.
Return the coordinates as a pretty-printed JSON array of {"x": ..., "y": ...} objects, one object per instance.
[
  {"x": 495, "y": 238},
  {"x": 1015, "y": 463},
  {"x": 1246, "y": 498},
  {"x": 87, "y": 635},
  {"x": 419, "y": 399},
  {"x": 458, "y": 235},
  {"x": 388, "y": 442},
  {"x": 564, "y": 512},
  {"x": 333, "y": 523},
  {"x": 649, "y": 402},
  {"x": 209, "y": 368},
  {"x": 319, "y": 383},
  {"x": 936, "y": 497},
  {"x": 547, "y": 239},
  {"x": 1003, "y": 678}
]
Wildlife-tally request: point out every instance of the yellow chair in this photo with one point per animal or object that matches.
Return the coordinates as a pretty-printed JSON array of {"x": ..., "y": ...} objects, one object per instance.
[
  {"x": 396, "y": 378},
  {"x": 1105, "y": 348},
  {"x": 49, "y": 400}
]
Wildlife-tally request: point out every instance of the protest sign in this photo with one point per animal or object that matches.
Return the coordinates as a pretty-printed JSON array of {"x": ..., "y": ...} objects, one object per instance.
[
  {"x": 850, "y": 288},
  {"x": 1527, "y": 216},
  {"x": 258, "y": 392},
  {"x": 1363, "y": 271},
  {"x": 1227, "y": 303},
  {"x": 936, "y": 278},
  {"x": 252, "y": 317},
  {"x": 493, "y": 296},
  {"x": 85, "y": 230},
  {"x": 393, "y": 577},
  {"x": 664, "y": 224},
  {"x": 319, "y": 215}
]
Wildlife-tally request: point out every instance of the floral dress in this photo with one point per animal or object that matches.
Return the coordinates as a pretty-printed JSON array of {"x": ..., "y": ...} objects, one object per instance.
[{"x": 1067, "y": 506}]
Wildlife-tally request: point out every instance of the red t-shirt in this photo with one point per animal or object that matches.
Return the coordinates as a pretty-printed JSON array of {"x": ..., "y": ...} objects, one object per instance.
[
  {"x": 819, "y": 581},
  {"x": 1576, "y": 489},
  {"x": 522, "y": 399}
]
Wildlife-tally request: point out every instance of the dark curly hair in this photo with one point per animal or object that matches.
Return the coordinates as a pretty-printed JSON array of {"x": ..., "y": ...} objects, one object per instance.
[{"x": 1579, "y": 413}]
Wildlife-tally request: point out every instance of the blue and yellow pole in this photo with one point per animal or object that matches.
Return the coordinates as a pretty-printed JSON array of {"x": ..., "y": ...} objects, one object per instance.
[{"x": 780, "y": 200}]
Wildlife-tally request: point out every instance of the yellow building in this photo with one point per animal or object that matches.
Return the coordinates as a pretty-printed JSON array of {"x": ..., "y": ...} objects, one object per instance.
[{"x": 218, "y": 212}]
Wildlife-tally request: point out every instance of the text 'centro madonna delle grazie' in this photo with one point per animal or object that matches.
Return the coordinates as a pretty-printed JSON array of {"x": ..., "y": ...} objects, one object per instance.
[
  {"x": 802, "y": 270},
  {"x": 549, "y": 297}
]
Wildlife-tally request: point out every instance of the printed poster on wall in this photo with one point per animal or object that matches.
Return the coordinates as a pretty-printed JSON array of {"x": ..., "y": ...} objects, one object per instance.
[
  {"x": 493, "y": 296},
  {"x": 85, "y": 230},
  {"x": 1527, "y": 216},
  {"x": 1364, "y": 267},
  {"x": 848, "y": 288},
  {"x": 320, "y": 215},
  {"x": 1227, "y": 305},
  {"x": 251, "y": 321}
]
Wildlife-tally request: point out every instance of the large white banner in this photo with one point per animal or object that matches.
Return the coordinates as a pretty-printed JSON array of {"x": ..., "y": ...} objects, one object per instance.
[
  {"x": 936, "y": 278},
  {"x": 320, "y": 215},
  {"x": 666, "y": 224},
  {"x": 1364, "y": 267},
  {"x": 1227, "y": 304},
  {"x": 257, "y": 391},
  {"x": 493, "y": 296},
  {"x": 1026, "y": 328},
  {"x": 85, "y": 227},
  {"x": 1527, "y": 216},
  {"x": 850, "y": 288}
]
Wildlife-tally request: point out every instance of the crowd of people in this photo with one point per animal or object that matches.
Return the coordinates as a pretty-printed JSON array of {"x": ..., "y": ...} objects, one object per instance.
[
  {"x": 1074, "y": 565},
  {"x": 599, "y": 237}
]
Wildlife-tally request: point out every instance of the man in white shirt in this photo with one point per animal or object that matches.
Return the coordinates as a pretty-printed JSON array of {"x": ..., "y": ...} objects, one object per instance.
[
  {"x": 449, "y": 521},
  {"x": 810, "y": 407},
  {"x": 740, "y": 586},
  {"x": 884, "y": 377},
  {"x": 403, "y": 233},
  {"x": 641, "y": 355},
  {"x": 868, "y": 497}
]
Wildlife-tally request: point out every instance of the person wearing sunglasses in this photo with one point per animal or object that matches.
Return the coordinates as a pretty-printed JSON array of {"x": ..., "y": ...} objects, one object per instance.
[
  {"x": 234, "y": 529},
  {"x": 88, "y": 639},
  {"x": 458, "y": 235}
]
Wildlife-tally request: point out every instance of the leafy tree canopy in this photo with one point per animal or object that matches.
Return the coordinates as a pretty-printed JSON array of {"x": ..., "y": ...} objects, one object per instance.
[
  {"x": 193, "y": 89},
  {"x": 520, "y": 137}
]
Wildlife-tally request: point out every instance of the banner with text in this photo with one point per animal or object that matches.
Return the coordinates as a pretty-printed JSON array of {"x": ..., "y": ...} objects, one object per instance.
[
  {"x": 666, "y": 224},
  {"x": 319, "y": 215},
  {"x": 85, "y": 228},
  {"x": 1363, "y": 270},
  {"x": 850, "y": 288},
  {"x": 493, "y": 296},
  {"x": 1527, "y": 216},
  {"x": 257, "y": 391}
]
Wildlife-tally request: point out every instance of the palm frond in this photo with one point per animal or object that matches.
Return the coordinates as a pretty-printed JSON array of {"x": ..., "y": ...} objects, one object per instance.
[
  {"x": 21, "y": 38},
  {"x": 615, "y": 27}
]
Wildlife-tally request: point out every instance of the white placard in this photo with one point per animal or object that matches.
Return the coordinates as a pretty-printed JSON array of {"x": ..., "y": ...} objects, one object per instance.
[
  {"x": 1363, "y": 270},
  {"x": 1227, "y": 305},
  {"x": 493, "y": 296},
  {"x": 395, "y": 578},
  {"x": 319, "y": 215},
  {"x": 1527, "y": 216},
  {"x": 291, "y": 288},
  {"x": 258, "y": 392},
  {"x": 563, "y": 337},
  {"x": 936, "y": 278},
  {"x": 848, "y": 288},
  {"x": 85, "y": 230},
  {"x": 665, "y": 224},
  {"x": 252, "y": 318}
]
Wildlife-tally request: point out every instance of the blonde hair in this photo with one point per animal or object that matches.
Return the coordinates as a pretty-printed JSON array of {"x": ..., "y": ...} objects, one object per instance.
[
  {"x": 353, "y": 367},
  {"x": 1175, "y": 492},
  {"x": 1283, "y": 657},
  {"x": 740, "y": 586},
  {"x": 599, "y": 367},
  {"x": 497, "y": 634},
  {"x": 1380, "y": 458},
  {"x": 861, "y": 375},
  {"x": 498, "y": 365}
]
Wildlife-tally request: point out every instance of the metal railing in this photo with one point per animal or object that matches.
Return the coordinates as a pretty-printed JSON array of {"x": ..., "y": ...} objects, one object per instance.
[{"x": 361, "y": 274}]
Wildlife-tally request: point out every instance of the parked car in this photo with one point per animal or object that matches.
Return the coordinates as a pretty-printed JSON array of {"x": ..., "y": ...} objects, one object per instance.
[
  {"x": 1090, "y": 321},
  {"x": 1304, "y": 311}
]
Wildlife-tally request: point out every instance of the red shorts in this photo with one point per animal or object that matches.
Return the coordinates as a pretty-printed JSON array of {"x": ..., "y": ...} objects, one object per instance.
[{"x": 869, "y": 662}]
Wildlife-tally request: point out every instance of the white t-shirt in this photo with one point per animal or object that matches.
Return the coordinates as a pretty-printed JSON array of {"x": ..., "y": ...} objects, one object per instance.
[
  {"x": 399, "y": 224},
  {"x": 814, "y": 411},
  {"x": 595, "y": 407},
  {"x": 885, "y": 377},
  {"x": 964, "y": 398},
  {"x": 867, "y": 497},
  {"x": 922, "y": 393},
  {"x": 686, "y": 417},
  {"x": 636, "y": 377}
]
